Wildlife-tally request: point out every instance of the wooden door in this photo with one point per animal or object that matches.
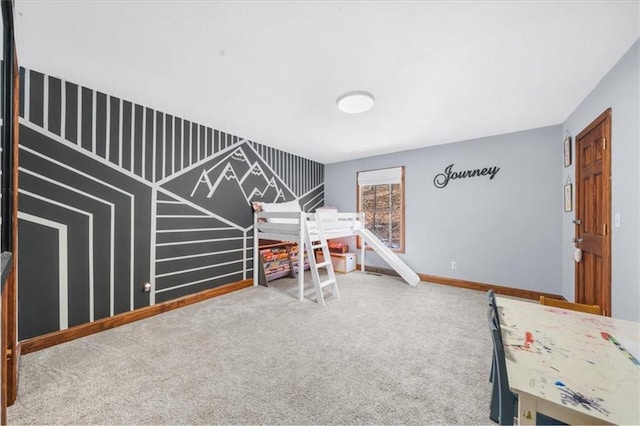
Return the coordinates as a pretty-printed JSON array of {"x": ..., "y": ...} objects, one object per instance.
[{"x": 593, "y": 213}]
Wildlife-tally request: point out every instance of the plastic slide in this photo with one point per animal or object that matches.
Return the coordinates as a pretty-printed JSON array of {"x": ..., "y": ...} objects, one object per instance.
[{"x": 390, "y": 257}]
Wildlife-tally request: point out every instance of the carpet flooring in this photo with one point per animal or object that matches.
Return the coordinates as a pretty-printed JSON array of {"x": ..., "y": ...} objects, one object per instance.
[{"x": 384, "y": 353}]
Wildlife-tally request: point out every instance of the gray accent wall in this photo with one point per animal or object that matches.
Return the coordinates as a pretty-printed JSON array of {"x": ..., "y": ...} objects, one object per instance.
[
  {"x": 620, "y": 91},
  {"x": 114, "y": 195},
  {"x": 504, "y": 231}
]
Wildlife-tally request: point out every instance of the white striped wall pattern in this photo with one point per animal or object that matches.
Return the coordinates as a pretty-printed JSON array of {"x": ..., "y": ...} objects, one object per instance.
[{"x": 114, "y": 195}]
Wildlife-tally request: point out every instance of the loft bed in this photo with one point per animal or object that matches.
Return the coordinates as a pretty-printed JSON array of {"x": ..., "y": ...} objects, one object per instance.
[
  {"x": 289, "y": 226},
  {"x": 287, "y": 222}
]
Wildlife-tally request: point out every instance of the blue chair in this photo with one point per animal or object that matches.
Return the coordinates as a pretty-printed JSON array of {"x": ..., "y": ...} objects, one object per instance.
[
  {"x": 491, "y": 299},
  {"x": 495, "y": 403},
  {"x": 505, "y": 398}
]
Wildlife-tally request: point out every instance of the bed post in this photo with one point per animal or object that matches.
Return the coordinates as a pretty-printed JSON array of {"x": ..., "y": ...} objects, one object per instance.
[
  {"x": 256, "y": 252},
  {"x": 301, "y": 251},
  {"x": 362, "y": 248}
]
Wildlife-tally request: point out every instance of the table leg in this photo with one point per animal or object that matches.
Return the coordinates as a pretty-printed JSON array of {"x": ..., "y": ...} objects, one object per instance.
[{"x": 527, "y": 408}]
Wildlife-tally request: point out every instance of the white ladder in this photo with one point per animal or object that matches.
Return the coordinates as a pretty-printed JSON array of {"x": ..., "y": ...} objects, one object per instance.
[{"x": 321, "y": 243}]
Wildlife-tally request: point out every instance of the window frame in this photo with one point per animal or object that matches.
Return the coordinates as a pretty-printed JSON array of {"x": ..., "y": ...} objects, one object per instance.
[{"x": 401, "y": 249}]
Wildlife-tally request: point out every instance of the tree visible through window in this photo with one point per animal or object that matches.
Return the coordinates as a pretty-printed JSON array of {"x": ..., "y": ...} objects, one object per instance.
[{"x": 381, "y": 198}]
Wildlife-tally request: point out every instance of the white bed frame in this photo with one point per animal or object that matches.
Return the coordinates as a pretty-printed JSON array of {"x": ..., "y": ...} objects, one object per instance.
[{"x": 292, "y": 226}]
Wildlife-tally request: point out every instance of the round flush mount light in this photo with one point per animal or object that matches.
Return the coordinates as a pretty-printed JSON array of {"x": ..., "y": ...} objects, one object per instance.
[{"x": 355, "y": 102}]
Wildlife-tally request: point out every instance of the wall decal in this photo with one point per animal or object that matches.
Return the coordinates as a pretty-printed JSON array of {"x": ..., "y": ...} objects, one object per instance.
[
  {"x": 238, "y": 176},
  {"x": 442, "y": 179}
]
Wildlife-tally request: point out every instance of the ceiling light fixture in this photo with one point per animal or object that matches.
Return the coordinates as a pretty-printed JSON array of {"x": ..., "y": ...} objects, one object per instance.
[{"x": 355, "y": 102}]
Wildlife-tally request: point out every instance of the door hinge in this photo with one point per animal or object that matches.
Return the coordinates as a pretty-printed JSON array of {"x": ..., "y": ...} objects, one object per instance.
[
  {"x": 605, "y": 228},
  {"x": 604, "y": 143}
]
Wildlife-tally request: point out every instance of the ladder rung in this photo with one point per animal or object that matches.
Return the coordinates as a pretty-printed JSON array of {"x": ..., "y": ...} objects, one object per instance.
[
  {"x": 323, "y": 284},
  {"x": 322, "y": 264},
  {"x": 318, "y": 246}
]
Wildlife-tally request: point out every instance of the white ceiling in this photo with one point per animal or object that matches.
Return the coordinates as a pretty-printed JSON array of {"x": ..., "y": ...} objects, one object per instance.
[{"x": 270, "y": 71}]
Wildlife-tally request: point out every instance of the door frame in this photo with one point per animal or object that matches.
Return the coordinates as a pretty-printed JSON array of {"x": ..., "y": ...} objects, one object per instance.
[{"x": 605, "y": 119}]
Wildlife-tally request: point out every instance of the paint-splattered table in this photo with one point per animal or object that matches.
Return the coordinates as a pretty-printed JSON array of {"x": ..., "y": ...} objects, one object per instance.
[{"x": 570, "y": 365}]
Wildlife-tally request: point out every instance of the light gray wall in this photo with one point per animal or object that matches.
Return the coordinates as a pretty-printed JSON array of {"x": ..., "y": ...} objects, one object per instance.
[
  {"x": 504, "y": 231},
  {"x": 620, "y": 91}
]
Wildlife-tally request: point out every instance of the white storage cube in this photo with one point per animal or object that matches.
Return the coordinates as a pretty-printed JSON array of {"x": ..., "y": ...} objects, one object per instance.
[{"x": 342, "y": 262}]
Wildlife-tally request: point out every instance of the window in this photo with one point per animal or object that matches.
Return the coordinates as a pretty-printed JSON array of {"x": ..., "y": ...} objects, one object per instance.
[{"x": 381, "y": 198}]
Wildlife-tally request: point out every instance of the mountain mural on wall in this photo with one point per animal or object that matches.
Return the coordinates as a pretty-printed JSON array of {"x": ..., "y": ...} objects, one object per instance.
[
  {"x": 118, "y": 195},
  {"x": 238, "y": 177}
]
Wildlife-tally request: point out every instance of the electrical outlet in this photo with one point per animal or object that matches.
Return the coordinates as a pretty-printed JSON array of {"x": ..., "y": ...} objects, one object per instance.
[{"x": 454, "y": 264}]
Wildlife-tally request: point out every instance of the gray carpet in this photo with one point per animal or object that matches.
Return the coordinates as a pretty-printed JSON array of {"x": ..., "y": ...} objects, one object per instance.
[{"x": 385, "y": 353}]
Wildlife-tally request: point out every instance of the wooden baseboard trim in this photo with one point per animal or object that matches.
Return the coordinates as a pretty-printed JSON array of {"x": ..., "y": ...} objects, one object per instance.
[
  {"x": 62, "y": 336},
  {"x": 498, "y": 289},
  {"x": 472, "y": 285}
]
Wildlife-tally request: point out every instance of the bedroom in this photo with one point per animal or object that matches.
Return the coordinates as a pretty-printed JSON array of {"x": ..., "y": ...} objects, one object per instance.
[{"x": 128, "y": 203}]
